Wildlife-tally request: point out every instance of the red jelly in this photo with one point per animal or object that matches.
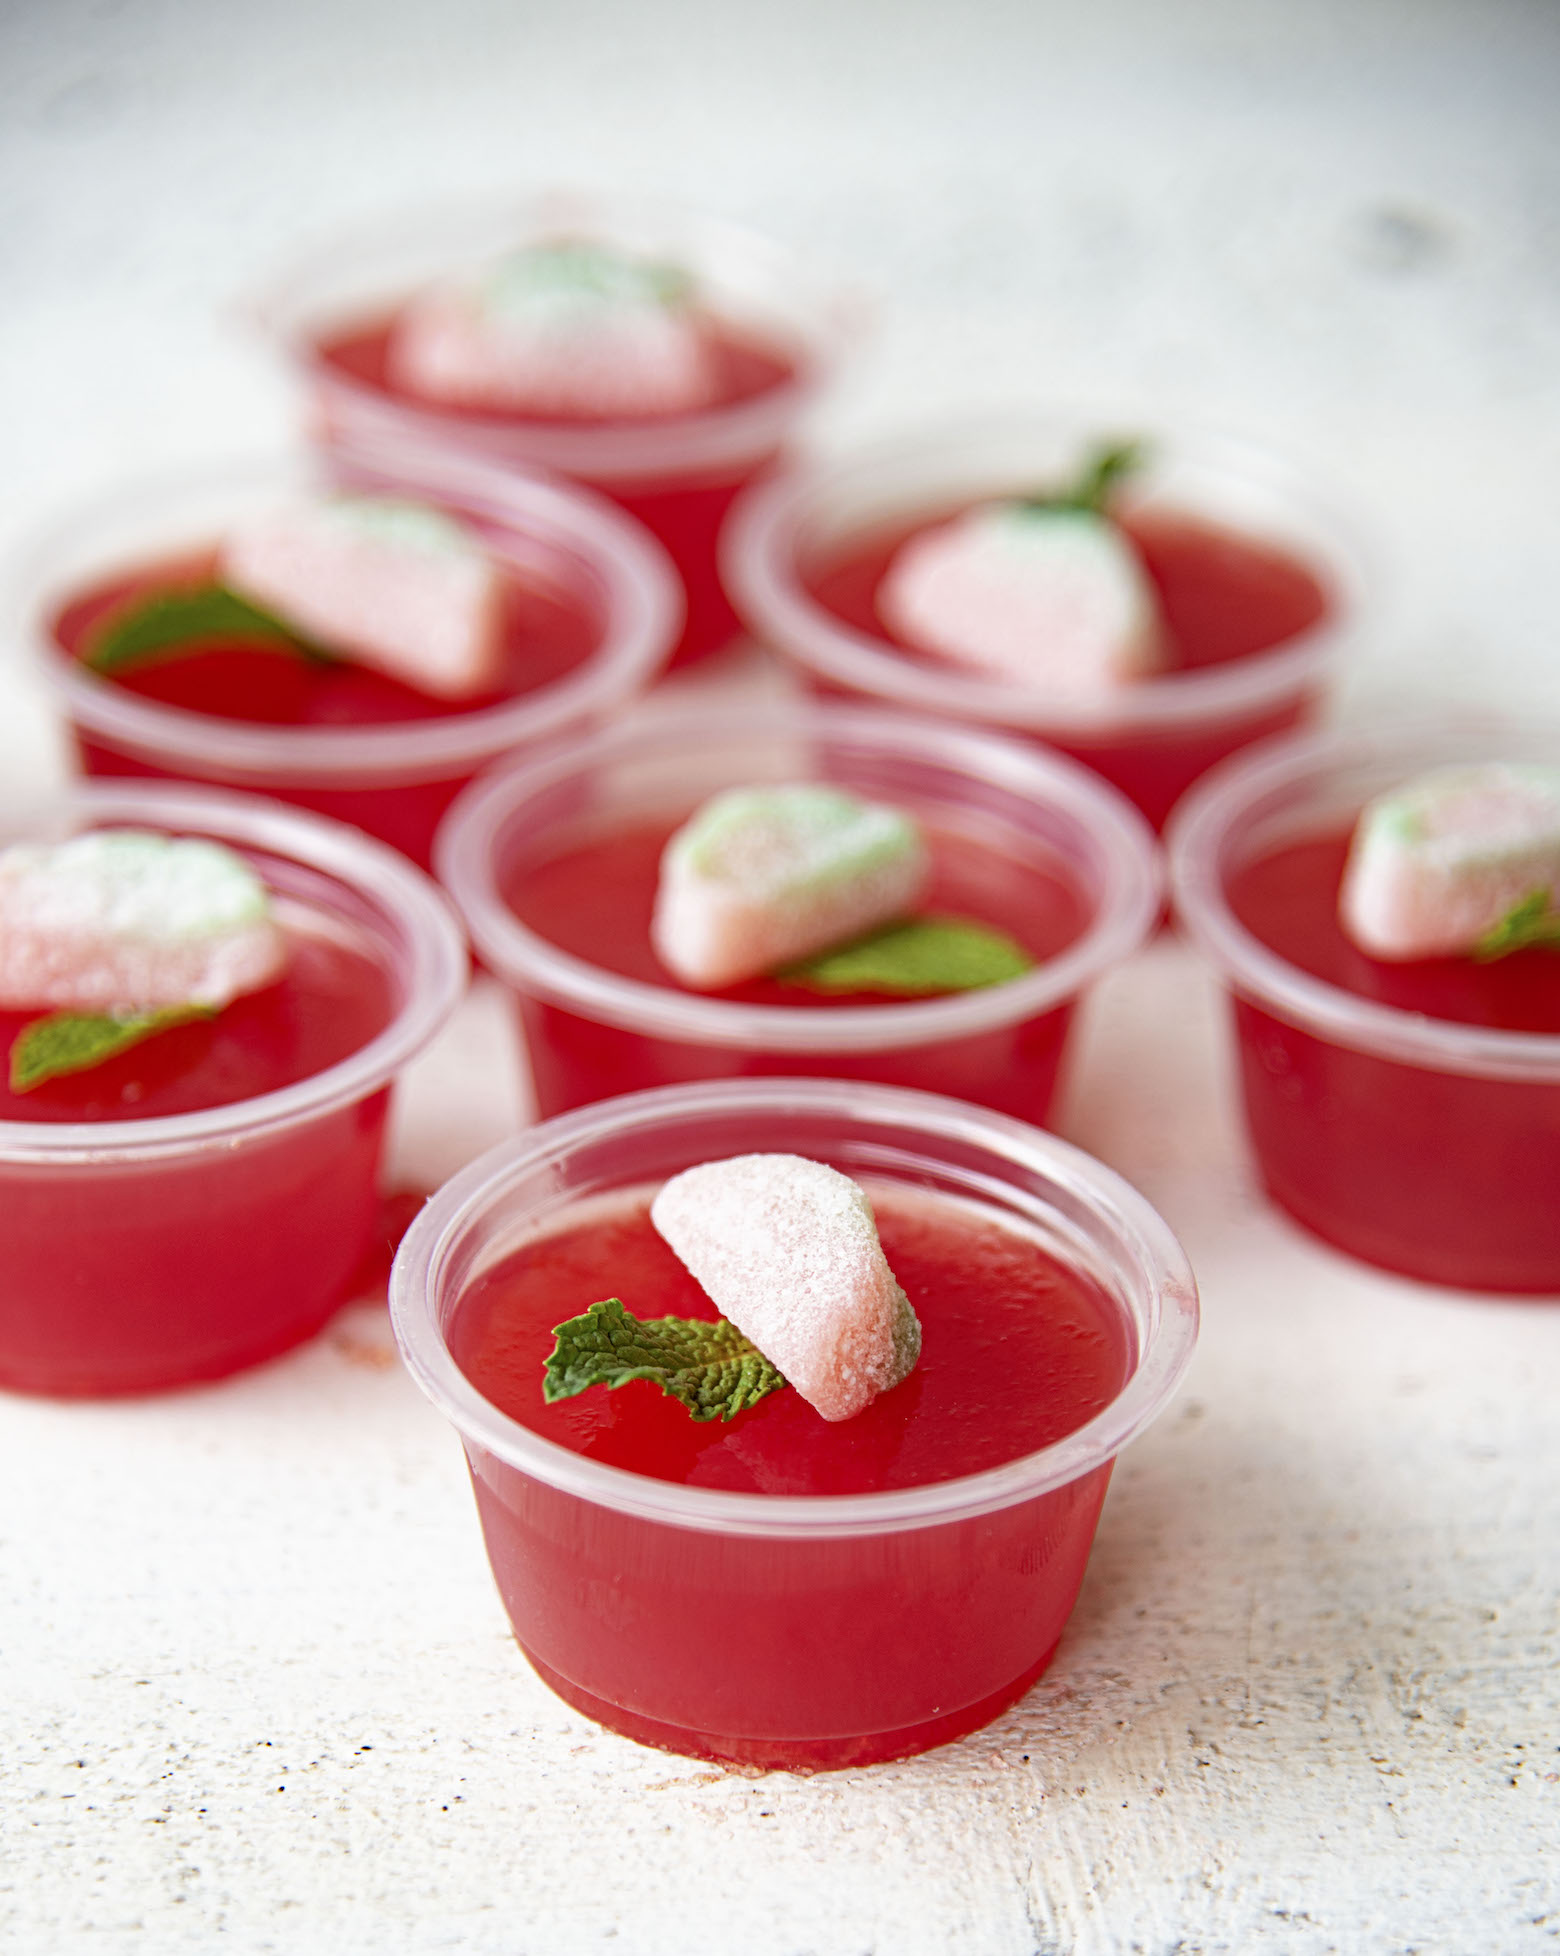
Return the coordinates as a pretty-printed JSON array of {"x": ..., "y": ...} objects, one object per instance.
[
  {"x": 555, "y": 868},
  {"x": 590, "y": 610},
  {"x": 1255, "y": 587},
  {"x": 1017, "y": 1351},
  {"x": 593, "y": 901},
  {"x": 776, "y": 1590},
  {"x": 774, "y": 328},
  {"x": 199, "y": 1201},
  {"x": 1407, "y": 1112},
  {"x": 544, "y": 638},
  {"x": 685, "y": 515}
]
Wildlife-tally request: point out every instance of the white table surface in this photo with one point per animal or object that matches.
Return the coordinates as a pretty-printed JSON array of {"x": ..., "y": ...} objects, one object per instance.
[{"x": 256, "y": 1690}]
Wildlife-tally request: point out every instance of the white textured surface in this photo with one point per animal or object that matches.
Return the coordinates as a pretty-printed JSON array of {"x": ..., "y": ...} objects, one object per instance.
[{"x": 257, "y": 1692}]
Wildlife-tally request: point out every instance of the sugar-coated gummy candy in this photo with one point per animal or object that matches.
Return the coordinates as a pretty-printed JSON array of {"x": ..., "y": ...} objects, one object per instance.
[
  {"x": 121, "y": 920},
  {"x": 386, "y": 582},
  {"x": 563, "y": 328},
  {"x": 758, "y": 877},
  {"x": 1050, "y": 599},
  {"x": 788, "y": 1250},
  {"x": 1438, "y": 862}
]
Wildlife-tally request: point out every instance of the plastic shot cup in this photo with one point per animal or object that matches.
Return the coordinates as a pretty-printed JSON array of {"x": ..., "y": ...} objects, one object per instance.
[
  {"x": 1152, "y": 739},
  {"x": 1027, "y": 820},
  {"x": 144, "y": 1253},
  {"x": 792, "y": 1631},
  {"x": 329, "y": 313},
  {"x": 607, "y": 581},
  {"x": 1420, "y": 1143}
]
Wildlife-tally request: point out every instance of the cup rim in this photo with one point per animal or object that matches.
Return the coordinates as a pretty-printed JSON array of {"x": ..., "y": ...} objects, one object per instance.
[
  {"x": 1226, "y": 798},
  {"x": 292, "y": 306},
  {"x": 1165, "y": 1348},
  {"x": 1127, "y": 911},
  {"x": 762, "y": 536},
  {"x": 641, "y": 593},
  {"x": 434, "y": 982}
]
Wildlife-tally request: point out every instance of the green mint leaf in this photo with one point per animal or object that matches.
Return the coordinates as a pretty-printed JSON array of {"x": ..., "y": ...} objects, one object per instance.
[
  {"x": 709, "y": 1366},
  {"x": 166, "y": 623},
  {"x": 1096, "y": 481},
  {"x": 1530, "y": 922},
  {"x": 919, "y": 957},
  {"x": 72, "y": 1042}
]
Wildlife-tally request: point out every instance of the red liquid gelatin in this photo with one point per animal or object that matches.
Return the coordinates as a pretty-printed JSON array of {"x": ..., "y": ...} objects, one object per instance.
[
  {"x": 1258, "y": 588},
  {"x": 1408, "y": 1113},
  {"x": 198, "y": 1203},
  {"x": 554, "y": 867},
  {"x": 776, "y": 1591},
  {"x": 591, "y": 610},
  {"x": 775, "y": 333}
]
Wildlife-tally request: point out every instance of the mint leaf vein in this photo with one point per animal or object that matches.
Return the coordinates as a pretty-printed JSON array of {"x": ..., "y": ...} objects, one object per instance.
[{"x": 706, "y": 1364}]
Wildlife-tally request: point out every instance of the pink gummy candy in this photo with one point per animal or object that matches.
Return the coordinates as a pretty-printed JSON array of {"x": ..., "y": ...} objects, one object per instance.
[
  {"x": 788, "y": 1250},
  {"x": 560, "y": 328},
  {"x": 126, "y": 921},
  {"x": 389, "y": 584},
  {"x": 1440, "y": 860}
]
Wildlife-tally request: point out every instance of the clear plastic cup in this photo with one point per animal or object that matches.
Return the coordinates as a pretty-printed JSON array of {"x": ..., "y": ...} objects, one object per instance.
[
  {"x": 592, "y": 1032},
  {"x": 676, "y": 473},
  {"x": 792, "y": 1631},
  {"x": 146, "y": 1253},
  {"x": 394, "y": 779},
  {"x": 1160, "y": 733},
  {"x": 1422, "y": 1144}
]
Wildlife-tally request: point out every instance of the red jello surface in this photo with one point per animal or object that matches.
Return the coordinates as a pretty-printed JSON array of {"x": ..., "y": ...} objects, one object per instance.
[
  {"x": 778, "y": 1651},
  {"x": 128, "y": 1275},
  {"x": 1289, "y": 899},
  {"x": 1018, "y": 1351},
  {"x": 594, "y": 900},
  {"x": 545, "y": 638},
  {"x": 685, "y": 513},
  {"x": 1446, "y": 1176},
  {"x": 1222, "y": 597},
  {"x": 330, "y": 1001},
  {"x": 740, "y": 367}
]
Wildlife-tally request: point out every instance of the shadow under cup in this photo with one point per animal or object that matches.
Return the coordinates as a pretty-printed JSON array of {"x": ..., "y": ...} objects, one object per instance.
[{"x": 792, "y": 1631}]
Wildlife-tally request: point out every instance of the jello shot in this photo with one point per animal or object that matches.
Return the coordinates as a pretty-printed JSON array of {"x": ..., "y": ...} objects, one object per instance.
[
  {"x": 315, "y": 634},
  {"x": 802, "y": 889},
  {"x": 1377, "y": 903},
  {"x": 661, "y": 357},
  {"x": 204, "y": 1001},
  {"x": 1143, "y": 600},
  {"x": 704, "y": 1560}
]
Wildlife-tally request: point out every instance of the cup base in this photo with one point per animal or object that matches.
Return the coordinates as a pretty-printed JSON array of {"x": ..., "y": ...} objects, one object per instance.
[
  {"x": 791, "y": 1755},
  {"x": 1424, "y": 1262},
  {"x": 84, "y": 1378}
]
